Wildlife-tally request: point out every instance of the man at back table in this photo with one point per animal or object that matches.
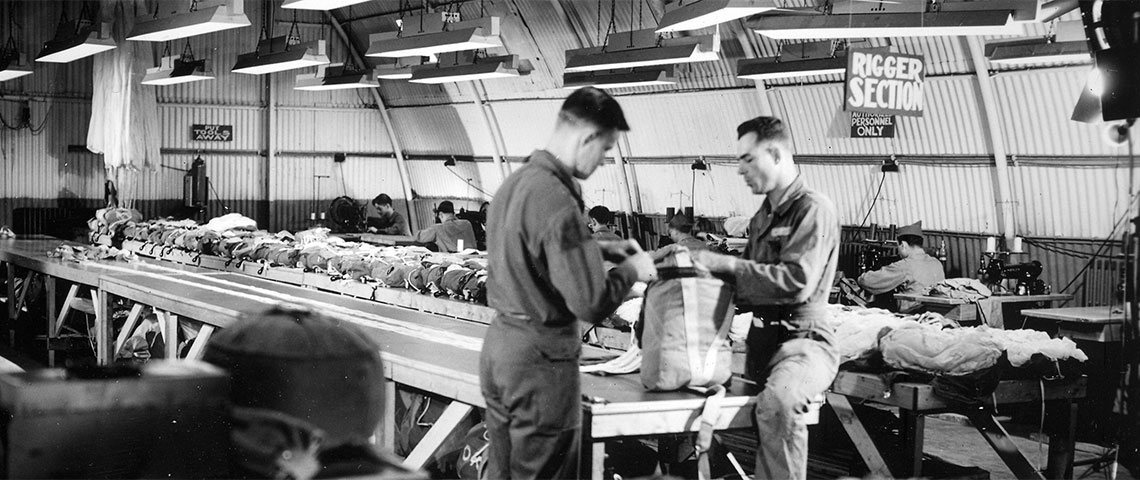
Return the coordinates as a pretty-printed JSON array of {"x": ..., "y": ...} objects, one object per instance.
[
  {"x": 449, "y": 232},
  {"x": 599, "y": 222},
  {"x": 390, "y": 222},
  {"x": 914, "y": 274},
  {"x": 546, "y": 275},
  {"x": 784, "y": 278}
]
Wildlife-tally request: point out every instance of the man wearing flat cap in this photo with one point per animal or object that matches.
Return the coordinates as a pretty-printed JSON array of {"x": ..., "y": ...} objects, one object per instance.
[
  {"x": 449, "y": 232},
  {"x": 914, "y": 274},
  {"x": 681, "y": 233}
]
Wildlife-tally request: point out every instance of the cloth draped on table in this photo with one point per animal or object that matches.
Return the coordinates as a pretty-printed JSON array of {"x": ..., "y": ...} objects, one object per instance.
[{"x": 124, "y": 125}]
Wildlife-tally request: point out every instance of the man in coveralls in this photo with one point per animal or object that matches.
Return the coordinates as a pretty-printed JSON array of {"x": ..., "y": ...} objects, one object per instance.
[
  {"x": 546, "y": 275},
  {"x": 784, "y": 277}
]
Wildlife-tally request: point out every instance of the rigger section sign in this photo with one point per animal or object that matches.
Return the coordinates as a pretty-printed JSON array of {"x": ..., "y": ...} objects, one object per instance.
[{"x": 883, "y": 82}]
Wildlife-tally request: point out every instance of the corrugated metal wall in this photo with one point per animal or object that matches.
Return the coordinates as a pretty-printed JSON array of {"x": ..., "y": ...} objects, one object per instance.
[
  {"x": 443, "y": 130},
  {"x": 1071, "y": 200},
  {"x": 177, "y": 120},
  {"x": 1035, "y": 106}
]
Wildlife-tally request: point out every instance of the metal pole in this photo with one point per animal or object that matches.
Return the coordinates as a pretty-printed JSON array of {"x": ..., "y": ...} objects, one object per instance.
[
  {"x": 997, "y": 142},
  {"x": 635, "y": 192},
  {"x": 270, "y": 152},
  {"x": 496, "y": 154},
  {"x": 401, "y": 162}
]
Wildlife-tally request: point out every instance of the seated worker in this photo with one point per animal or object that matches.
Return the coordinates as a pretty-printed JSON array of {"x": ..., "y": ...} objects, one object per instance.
[
  {"x": 447, "y": 233},
  {"x": 914, "y": 274},
  {"x": 599, "y": 222},
  {"x": 390, "y": 222},
  {"x": 681, "y": 233}
]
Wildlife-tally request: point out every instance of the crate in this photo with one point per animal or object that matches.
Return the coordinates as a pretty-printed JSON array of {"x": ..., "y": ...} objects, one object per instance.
[{"x": 170, "y": 421}]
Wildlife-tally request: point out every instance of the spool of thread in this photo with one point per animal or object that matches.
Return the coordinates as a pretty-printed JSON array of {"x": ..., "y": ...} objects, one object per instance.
[
  {"x": 459, "y": 245},
  {"x": 991, "y": 244},
  {"x": 1017, "y": 245}
]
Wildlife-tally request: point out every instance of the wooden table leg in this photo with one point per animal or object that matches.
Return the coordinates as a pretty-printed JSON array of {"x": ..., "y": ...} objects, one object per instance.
[
  {"x": 172, "y": 340},
  {"x": 451, "y": 417},
  {"x": 200, "y": 341},
  {"x": 858, "y": 433},
  {"x": 128, "y": 327},
  {"x": 11, "y": 271},
  {"x": 388, "y": 424},
  {"x": 597, "y": 460},
  {"x": 103, "y": 326},
  {"x": 1062, "y": 443},
  {"x": 49, "y": 289},
  {"x": 913, "y": 426},
  {"x": 999, "y": 439}
]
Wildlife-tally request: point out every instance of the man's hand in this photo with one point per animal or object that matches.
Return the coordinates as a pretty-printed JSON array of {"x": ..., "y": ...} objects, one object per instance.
[
  {"x": 715, "y": 262},
  {"x": 372, "y": 230},
  {"x": 640, "y": 261},
  {"x": 615, "y": 251}
]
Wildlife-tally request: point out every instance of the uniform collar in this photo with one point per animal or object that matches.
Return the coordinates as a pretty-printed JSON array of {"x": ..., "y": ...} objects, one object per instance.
[
  {"x": 547, "y": 161},
  {"x": 795, "y": 190}
]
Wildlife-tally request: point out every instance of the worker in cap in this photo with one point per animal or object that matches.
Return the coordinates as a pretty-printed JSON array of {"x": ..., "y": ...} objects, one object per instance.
[
  {"x": 449, "y": 233},
  {"x": 914, "y": 274},
  {"x": 681, "y": 233}
]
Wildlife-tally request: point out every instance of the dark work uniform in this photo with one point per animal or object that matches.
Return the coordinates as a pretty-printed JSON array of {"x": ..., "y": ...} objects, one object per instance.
[
  {"x": 545, "y": 273},
  {"x": 446, "y": 235},
  {"x": 785, "y": 277},
  {"x": 606, "y": 234},
  {"x": 392, "y": 224}
]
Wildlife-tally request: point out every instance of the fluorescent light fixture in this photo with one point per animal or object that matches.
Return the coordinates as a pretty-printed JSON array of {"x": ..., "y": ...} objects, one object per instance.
[
  {"x": 1067, "y": 45},
  {"x": 401, "y": 69},
  {"x": 334, "y": 77},
  {"x": 210, "y": 16},
  {"x": 14, "y": 65},
  {"x": 641, "y": 48},
  {"x": 770, "y": 68},
  {"x": 505, "y": 66},
  {"x": 953, "y": 23},
  {"x": 320, "y": 4},
  {"x": 274, "y": 55},
  {"x": 796, "y": 60},
  {"x": 1088, "y": 109},
  {"x": 75, "y": 40},
  {"x": 474, "y": 34},
  {"x": 173, "y": 71},
  {"x": 637, "y": 77},
  {"x": 706, "y": 13},
  {"x": 1037, "y": 50}
]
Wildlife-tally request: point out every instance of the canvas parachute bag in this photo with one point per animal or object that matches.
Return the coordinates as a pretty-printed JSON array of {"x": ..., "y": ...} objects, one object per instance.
[{"x": 683, "y": 331}]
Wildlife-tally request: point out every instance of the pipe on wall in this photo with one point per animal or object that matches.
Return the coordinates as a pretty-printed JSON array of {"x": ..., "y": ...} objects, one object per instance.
[
  {"x": 992, "y": 125},
  {"x": 401, "y": 162}
]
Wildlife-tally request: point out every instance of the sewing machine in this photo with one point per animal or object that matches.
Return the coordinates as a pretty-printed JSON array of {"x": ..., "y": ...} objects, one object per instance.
[{"x": 995, "y": 270}]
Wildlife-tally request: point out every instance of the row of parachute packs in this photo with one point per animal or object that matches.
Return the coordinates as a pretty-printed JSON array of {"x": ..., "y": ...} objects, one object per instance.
[{"x": 237, "y": 238}]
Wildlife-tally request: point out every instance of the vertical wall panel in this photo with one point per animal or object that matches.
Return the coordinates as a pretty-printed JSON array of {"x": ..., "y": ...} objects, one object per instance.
[
  {"x": 331, "y": 130},
  {"x": 1070, "y": 201},
  {"x": 918, "y": 192},
  {"x": 431, "y": 178},
  {"x": 525, "y": 125},
  {"x": 688, "y": 124},
  {"x": 603, "y": 187},
  {"x": 951, "y": 123},
  {"x": 38, "y": 165},
  {"x": 1035, "y": 107},
  {"x": 444, "y": 130}
]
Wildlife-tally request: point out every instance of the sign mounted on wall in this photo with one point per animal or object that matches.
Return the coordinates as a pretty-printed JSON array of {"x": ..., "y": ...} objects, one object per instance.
[
  {"x": 883, "y": 82},
  {"x": 212, "y": 133},
  {"x": 870, "y": 125}
]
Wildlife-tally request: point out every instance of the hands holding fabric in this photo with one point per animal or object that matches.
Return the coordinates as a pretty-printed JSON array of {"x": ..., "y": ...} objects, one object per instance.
[{"x": 630, "y": 252}]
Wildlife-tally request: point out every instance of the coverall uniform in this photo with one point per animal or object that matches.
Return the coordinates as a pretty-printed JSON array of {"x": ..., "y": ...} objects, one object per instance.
[
  {"x": 446, "y": 235},
  {"x": 391, "y": 224},
  {"x": 914, "y": 274},
  {"x": 544, "y": 275},
  {"x": 785, "y": 277}
]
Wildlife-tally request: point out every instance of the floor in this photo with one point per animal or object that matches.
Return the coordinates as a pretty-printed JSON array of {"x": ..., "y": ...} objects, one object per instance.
[{"x": 954, "y": 440}]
